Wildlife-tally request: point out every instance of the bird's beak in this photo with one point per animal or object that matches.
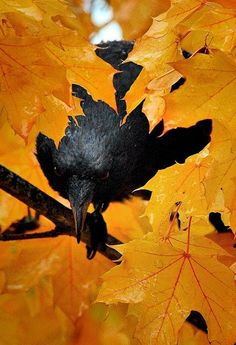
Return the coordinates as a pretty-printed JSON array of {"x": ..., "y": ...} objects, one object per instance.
[{"x": 80, "y": 194}]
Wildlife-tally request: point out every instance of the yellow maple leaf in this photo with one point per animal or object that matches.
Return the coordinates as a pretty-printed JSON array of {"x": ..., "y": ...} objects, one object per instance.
[
  {"x": 160, "y": 41},
  {"x": 186, "y": 184},
  {"x": 83, "y": 66},
  {"x": 74, "y": 290},
  {"x": 144, "y": 11},
  {"x": 190, "y": 335},
  {"x": 206, "y": 92},
  {"x": 20, "y": 158},
  {"x": 26, "y": 6},
  {"x": 226, "y": 3},
  {"x": 227, "y": 242},
  {"x": 49, "y": 326},
  {"x": 103, "y": 326},
  {"x": 50, "y": 274},
  {"x": 164, "y": 281},
  {"x": 222, "y": 172},
  {"x": 211, "y": 26},
  {"x": 126, "y": 221},
  {"x": 40, "y": 59},
  {"x": 159, "y": 46},
  {"x": 23, "y": 70}
]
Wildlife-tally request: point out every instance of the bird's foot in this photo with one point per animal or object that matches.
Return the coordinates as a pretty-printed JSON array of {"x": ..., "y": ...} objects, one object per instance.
[{"x": 98, "y": 233}]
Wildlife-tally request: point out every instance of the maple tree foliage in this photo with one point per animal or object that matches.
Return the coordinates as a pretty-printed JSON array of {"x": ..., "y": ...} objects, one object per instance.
[{"x": 173, "y": 261}]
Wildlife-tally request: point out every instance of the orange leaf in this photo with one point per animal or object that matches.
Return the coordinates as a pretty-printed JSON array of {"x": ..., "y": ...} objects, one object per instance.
[
  {"x": 212, "y": 26},
  {"x": 74, "y": 290},
  {"x": 185, "y": 181},
  {"x": 164, "y": 282},
  {"x": 51, "y": 272},
  {"x": 207, "y": 93},
  {"x": 190, "y": 335},
  {"x": 18, "y": 327},
  {"x": 144, "y": 12},
  {"x": 155, "y": 50}
]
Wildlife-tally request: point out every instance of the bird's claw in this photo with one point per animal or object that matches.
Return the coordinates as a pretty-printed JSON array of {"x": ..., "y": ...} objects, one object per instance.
[
  {"x": 78, "y": 236},
  {"x": 98, "y": 233},
  {"x": 90, "y": 253}
]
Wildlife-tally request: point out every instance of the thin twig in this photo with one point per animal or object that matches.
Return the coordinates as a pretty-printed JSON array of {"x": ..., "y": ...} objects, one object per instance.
[
  {"x": 42, "y": 203},
  {"x": 9, "y": 236}
]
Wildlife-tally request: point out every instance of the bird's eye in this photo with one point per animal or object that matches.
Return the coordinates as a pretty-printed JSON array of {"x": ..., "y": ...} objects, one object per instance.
[
  {"x": 105, "y": 176},
  {"x": 56, "y": 171}
]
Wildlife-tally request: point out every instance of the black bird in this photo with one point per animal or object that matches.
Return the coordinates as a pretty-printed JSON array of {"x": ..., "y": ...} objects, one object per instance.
[{"x": 100, "y": 159}]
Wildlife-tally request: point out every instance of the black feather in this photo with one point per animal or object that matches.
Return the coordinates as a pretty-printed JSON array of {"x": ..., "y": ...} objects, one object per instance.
[{"x": 46, "y": 153}]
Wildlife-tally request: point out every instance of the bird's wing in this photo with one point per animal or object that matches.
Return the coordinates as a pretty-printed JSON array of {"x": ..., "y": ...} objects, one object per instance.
[
  {"x": 176, "y": 145},
  {"x": 46, "y": 154}
]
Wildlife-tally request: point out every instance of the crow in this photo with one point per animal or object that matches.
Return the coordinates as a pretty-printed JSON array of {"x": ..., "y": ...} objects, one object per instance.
[{"x": 102, "y": 159}]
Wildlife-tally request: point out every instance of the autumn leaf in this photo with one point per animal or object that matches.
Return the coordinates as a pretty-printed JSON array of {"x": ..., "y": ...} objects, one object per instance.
[
  {"x": 227, "y": 242},
  {"x": 123, "y": 14},
  {"x": 218, "y": 181},
  {"x": 83, "y": 66},
  {"x": 21, "y": 160},
  {"x": 49, "y": 284},
  {"x": 192, "y": 336},
  {"x": 103, "y": 326},
  {"x": 212, "y": 26},
  {"x": 75, "y": 290},
  {"x": 185, "y": 26},
  {"x": 220, "y": 178},
  {"x": 47, "y": 74},
  {"x": 186, "y": 183},
  {"x": 162, "y": 43},
  {"x": 126, "y": 220},
  {"x": 48, "y": 327},
  {"x": 160, "y": 40},
  {"x": 206, "y": 92},
  {"x": 45, "y": 58},
  {"x": 17, "y": 6},
  {"x": 164, "y": 281},
  {"x": 226, "y": 3},
  {"x": 21, "y": 72}
]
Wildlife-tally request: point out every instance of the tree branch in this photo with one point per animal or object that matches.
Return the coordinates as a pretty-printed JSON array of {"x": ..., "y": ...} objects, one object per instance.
[{"x": 60, "y": 215}]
